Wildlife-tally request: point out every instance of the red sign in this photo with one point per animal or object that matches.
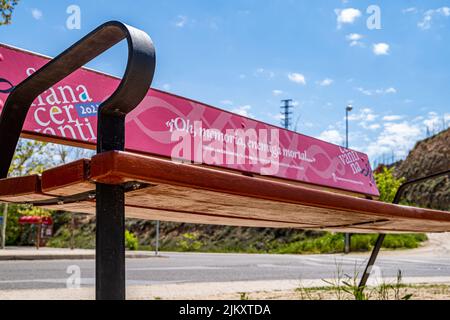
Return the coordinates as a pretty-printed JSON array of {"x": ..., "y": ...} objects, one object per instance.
[
  {"x": 46, "y": 221},
  {"x": 179, "y": 128}
]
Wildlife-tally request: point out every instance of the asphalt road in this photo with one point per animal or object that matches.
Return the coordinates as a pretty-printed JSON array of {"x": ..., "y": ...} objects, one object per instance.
[{"x": 192, "y": 268}]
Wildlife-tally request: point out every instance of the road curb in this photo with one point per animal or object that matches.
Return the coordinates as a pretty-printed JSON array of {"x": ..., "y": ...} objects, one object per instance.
[{"x": 44, "y": 257}]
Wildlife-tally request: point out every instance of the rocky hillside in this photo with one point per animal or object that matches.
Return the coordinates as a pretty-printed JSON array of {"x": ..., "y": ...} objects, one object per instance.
[{"x": 429, "y": 156}]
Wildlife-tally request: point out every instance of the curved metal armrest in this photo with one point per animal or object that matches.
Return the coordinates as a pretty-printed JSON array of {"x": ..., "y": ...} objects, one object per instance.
[
  {"x": 402, "y": 188},
  {"x": 130, "y": 92}
]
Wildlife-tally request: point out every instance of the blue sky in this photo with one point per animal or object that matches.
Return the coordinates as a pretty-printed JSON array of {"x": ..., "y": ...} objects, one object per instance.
[{"x": 247, "y": 55}]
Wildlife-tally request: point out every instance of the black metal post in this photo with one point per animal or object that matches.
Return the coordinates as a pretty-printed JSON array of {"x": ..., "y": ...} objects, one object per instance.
[
  {"x": 110, "y": 250},
  {"x": 158, "y": 224},
  {"x": 346, "y": 127},
  {"x": 348, "y": 236},
  {"x": 110, "y": 243},
  {"x": 370, "y": 264}
]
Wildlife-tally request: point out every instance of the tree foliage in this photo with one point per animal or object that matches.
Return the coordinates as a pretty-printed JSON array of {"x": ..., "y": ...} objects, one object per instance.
[
  {"x": 31, "y": 157},
  {"x": 387, "y": 184},
  {"x": 6, "y": 10}
]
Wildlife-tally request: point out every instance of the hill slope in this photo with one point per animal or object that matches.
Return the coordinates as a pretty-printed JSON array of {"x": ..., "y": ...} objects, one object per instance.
[{"x": 429, "y": 156}]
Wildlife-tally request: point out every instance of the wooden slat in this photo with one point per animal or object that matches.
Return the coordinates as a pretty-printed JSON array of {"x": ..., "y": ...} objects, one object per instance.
[
  {"x": 22, "y": 189},
  {"x": 209, "y": 204},
  {"x": 146, "y": 213},
  {"x": 188, "y": 199},
  {"x": 67, "y": 180},
  {"x": 193, "y": 194},
  {"x": 117, "y": 167}
]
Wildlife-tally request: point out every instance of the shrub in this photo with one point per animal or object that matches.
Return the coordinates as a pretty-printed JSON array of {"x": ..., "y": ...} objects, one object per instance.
[
  {"x": 190, "y": 242},
  {"x": 387, "y": 184},
  {"x": 131, "y": 241}
]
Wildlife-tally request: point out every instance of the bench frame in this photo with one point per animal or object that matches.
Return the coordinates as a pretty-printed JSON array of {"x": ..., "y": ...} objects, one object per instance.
[
  {"x": 110, "y": 230},
  {"x": 381, "y": 237}
]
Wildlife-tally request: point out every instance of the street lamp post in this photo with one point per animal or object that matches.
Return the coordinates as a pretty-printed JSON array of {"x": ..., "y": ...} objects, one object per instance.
[
  {"x": 3, "y": 226},
  {"x": 348, "y": 109},
  {"x": 157, "y": 238},
  {"x": 348, "y": 239}
]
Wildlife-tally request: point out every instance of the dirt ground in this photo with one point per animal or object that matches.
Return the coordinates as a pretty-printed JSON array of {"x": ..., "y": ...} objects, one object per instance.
[{"x": 436, "y": 292}]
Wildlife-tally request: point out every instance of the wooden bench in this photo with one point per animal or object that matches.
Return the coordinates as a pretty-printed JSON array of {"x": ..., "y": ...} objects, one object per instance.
[
  {"x": 159, "y": 189},
  {"x": 115, "y": 183}
]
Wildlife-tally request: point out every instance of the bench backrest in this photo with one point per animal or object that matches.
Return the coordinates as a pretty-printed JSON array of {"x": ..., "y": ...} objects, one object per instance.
[{"x": 171, "y": 126}]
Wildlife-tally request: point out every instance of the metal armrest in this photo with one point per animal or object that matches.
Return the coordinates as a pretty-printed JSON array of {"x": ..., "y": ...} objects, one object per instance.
[
  {"x": 130, "y": 92},
  {"x": 403, "y": 187}
]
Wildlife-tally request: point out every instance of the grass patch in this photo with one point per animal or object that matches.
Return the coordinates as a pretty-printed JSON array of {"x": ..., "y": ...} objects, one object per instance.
[
  {"x": 334, "y": 243},
  {"x": 191, "y": 238},
  {"x": 326, "y": 243},
  {"x": 346, "y": 287}
]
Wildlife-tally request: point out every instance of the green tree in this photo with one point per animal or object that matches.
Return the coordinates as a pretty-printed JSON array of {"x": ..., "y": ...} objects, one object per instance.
[
  {"x": 31, "y": 157},
  {"x": 387, "y": 184},
  {"x": 6, "y": 10}
]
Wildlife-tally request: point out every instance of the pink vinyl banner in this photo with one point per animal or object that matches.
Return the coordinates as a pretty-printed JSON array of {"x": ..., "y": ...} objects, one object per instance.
[{"x": 174, "y": 127}]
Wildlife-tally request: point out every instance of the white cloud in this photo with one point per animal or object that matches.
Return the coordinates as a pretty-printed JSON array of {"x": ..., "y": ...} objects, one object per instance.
[
  {"x": 392, "y": 118},
  {"x": 166, "y": 86},
  {"x": 375, "y": 126},
  {"x": 395, "y": 137},
  {"x": 346, "y": 16},
  {"x": 265, "y": 73},
  {"x": 181, "y": 21},
  {"x": 426, "y": 21},
  {"x": 434, "y": 121},
  {"x": 326, "y": 82},
  {"x": 277, "y": 93},
  {"x": 410, "y": 10},
  {"x": 37, "y": 14},
  {"x": 400, "y": 137},
  {"x": 428, "y": 16},
  {"x": 226, "y": 102},
  {"x": 365, "y": 118},
  {"x": 368, "y": 92},
  {"x": 381, "y": 49},
  {"x": 365, "y": 91},
  {"x": 243, "y": 111},
  {"x": 297, "y": 78},
  {"x": 332, "y": 136},
  {"x": 390, "y": 90},
  {"x": 355, "y": 39},
  {"x": 444, "y": 11}
]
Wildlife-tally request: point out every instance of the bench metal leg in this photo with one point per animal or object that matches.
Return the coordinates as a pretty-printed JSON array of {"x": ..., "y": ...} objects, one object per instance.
[
  {"x": 110, "y": 243},
  {"x": 371, "y": 263}
]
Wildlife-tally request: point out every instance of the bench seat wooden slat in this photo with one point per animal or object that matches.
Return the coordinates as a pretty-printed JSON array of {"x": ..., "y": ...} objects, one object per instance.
[
  {"x": 114, "y": 167},
  {"x": 22, "y": 189},
  {"x": 195, "y": 194}
]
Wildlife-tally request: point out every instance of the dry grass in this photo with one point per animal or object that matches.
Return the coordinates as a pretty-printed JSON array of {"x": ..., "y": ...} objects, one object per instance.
[{"x": 419, "y": 292}]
